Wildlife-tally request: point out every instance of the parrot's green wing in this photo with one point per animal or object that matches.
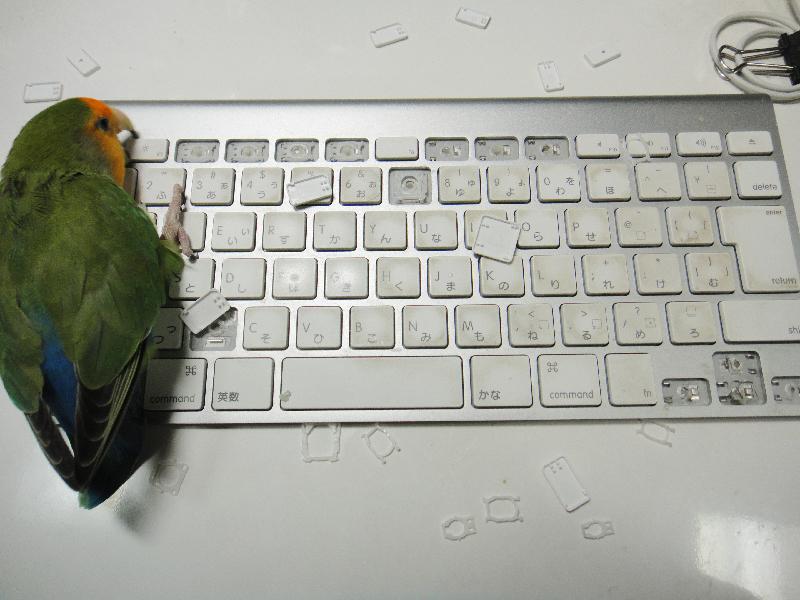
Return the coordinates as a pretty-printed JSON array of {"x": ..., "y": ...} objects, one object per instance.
[
  {"x": 85, "y": 263},
  {"x": 92, "y": 261}
]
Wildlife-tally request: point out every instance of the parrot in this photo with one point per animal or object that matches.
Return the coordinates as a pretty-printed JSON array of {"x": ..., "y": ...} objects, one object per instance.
[{"x": 83, "y": 274}]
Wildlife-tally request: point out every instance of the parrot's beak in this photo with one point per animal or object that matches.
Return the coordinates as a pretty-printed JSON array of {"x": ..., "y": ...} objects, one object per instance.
[{"x": 121, "y": 122}]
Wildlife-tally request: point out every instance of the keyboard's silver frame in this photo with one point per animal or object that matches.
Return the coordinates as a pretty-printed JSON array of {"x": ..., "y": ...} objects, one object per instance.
[{"x": 470, "y": 119}]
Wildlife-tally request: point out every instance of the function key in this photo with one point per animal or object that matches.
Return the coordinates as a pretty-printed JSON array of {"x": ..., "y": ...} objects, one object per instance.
[
  {"x": 397, "y": 148},
  {"x": 699, "y": 143},
  {"x": 141, "y": 150},
  {"x": 749, "y": 142},
  {"x": 546, "y": 148},
  {"x": 347, "y": 150},
  {"x": 446, "y": 149},
  {"x": 648, "y": 144},
  {"x": 197, "y": 151},
  {"x": 247, "y": 151},
  {"x": 597, "y": 145},
  {"x": 296, "y": 150},
  {"x": 496, "y": 149}
]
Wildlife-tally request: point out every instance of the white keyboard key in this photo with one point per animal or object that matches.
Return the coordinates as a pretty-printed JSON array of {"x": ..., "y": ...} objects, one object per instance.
[
  {"x": 756, "y": 179},
  {"x": 155, "y": 185},
  {"x": 587, "y": 228},
  {"x": 459, "y": 185},
  {"x": 538, "y": 228},
  {"x": 284, "y": 231},
  {"x": 584, "y": 325},
  {"x": 568, "y": 380},
  {"x": 425, "y": 327},
  {"x": 608, "y": 182},
  {"x": 553, "y": 275},
  {"x": 691, "y": 323},
  {"x": 266, "y": 328},
  {"x": 473, "y": 17},
  {"x": 194, "y": 223},
  {"x": 397, "y": 148},
  {"x": 499, "y": 279},
  {"x": 372, "y": 327},
  {"x": 346, "y": 277},
  {"x": 242, "y": 384},
  {"x": 294, "y": 278},
  {"x": 689, "y": 226},
  {"x": 335, "y": 230},
  {"x": 549, "y": 76},
  {"x": 566, "y": 486},
  {"x": 597, "y": 145},
  {"x": 710, "y": 273},
  {"x": 637, "y": 324},
  {"x": 314, "y": 190},
  {"x": 655, "y": 145},
  {"x": 261, "y": 186},
  {"x": 477, "y": 326},
  {"x": 763, "y": 245},
  {"x": 234, "y": 232},
  {"x": 43, "y": 92},
  {"x": 360, "y": 185},
  {"x": 699, "y": 143},
  {"x": 508, "y": 184},
  {"x": 175, "y": 384},
  {"x": 195, "y": 280},
  {"x": 398, "y": 277},
  {"x": 707, "y": 180},
  {"x": 212, "y": 187},
  {"x": 319, "y": 328},
  {"x": 147, "y": 150},
  {"x": 496, "y": 239},
  {"x": 167, "y": 333},
  {"x": 472, "y": 220},
  {"x": 749, "y": 142},
  {"x": 658, "y": 181},
  {"x": 435, "y": 230},
  {"x": 530, "y": 325},
  {"x": 500, "y": 381},
  {"x": 657, "y": 274},
  {"x": 558, "y": 182},
  {"x": 638, "y": 226},
  {"x": 372, "y": 382},
  {"x": 390, "y": 34},
  {"x": 243, "y": 278},
  {"x": 605, "y": 274},
  {"x": 760, "y": 320},
  {"x": 304, "y": 173},
  {"x": 630, "y": 380},
  {"x": 385, "y": 230},
  {"x": 449, "y": 277}
]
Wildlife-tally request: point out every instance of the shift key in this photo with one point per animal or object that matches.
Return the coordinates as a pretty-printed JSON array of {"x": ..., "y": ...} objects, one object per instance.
[{"x": 569, "y": 380}]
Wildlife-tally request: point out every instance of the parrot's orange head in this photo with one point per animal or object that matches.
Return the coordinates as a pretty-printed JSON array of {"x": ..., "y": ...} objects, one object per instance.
[{"x": 77, "y": 134}]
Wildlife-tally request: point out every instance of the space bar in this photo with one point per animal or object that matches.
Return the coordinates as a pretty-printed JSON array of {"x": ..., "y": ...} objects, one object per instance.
[{"x": 371, "y": 382}]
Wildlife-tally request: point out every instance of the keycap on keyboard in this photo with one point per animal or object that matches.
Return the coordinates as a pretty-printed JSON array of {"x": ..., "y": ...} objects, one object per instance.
[{"x": 654, "y": 274}]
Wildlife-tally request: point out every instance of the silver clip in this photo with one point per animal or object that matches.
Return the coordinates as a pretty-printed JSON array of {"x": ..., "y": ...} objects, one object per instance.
[{"x": 733, "y": 60}]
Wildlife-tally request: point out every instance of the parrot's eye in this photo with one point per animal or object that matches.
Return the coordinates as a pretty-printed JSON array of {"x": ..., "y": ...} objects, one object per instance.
[{"x": 103, "y": 124}]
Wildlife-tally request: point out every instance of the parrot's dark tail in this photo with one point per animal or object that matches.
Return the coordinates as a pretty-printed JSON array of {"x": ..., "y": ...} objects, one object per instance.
[{"x": 53, "y": 445}]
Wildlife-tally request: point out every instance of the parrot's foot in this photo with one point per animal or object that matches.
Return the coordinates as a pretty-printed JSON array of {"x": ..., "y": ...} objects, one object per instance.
[{"x": 173, "y": 223}]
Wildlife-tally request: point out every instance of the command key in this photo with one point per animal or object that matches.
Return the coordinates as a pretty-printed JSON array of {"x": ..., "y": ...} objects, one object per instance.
[{"x": 569, "y": 380}]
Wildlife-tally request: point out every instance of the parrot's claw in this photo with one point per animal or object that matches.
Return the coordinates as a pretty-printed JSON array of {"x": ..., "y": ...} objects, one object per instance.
[{"x": 173, "y": 224}]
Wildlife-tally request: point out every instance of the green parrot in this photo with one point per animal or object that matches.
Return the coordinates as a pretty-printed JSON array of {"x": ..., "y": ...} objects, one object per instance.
[{"x": 82, "y": 276}]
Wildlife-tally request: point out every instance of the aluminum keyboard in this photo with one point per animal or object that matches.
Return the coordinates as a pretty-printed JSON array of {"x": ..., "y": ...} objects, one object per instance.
[{"x": 653, "y": 269}]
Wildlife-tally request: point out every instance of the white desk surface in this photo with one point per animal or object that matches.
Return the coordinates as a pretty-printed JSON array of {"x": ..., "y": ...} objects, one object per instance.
[{"x": 714, "y": 516}]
